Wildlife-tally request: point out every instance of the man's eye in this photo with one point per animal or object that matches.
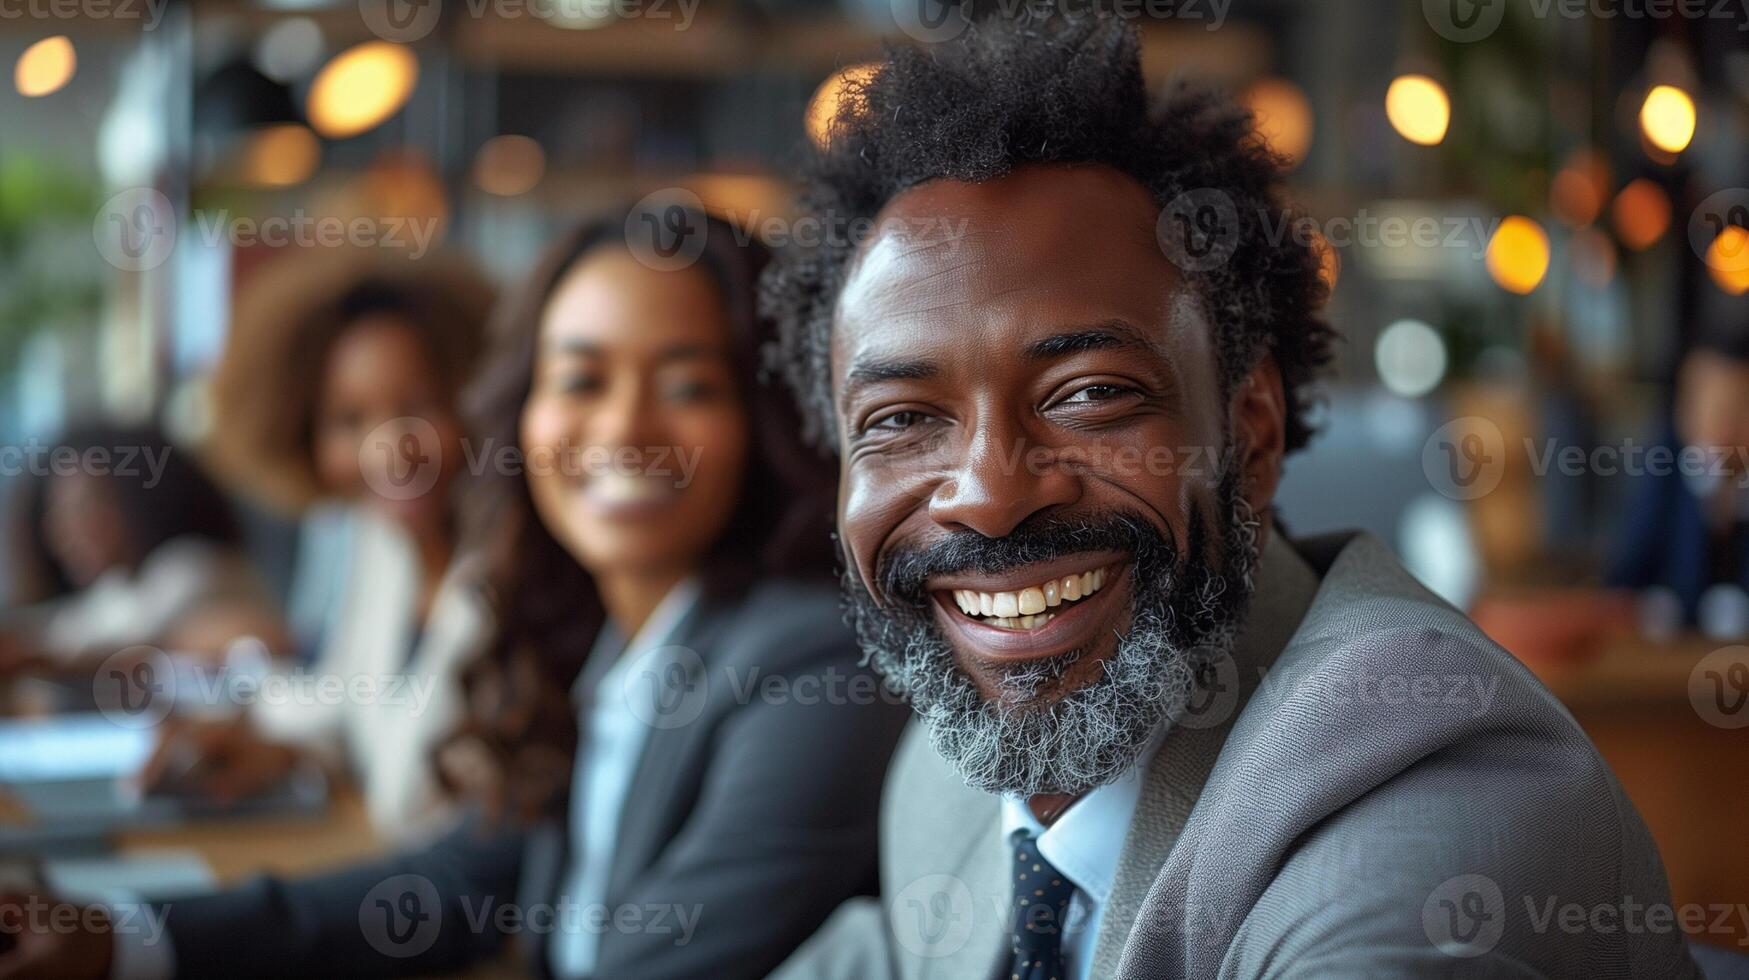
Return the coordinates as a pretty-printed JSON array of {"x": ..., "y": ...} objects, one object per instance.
[
  {"x": 897, "y": 421},
  {"x": 1098, "y": 393}
]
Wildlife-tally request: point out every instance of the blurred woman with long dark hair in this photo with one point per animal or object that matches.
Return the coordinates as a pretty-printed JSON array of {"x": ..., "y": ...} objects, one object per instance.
[
  {"x": 677, "y": 757},
  {"x": 336, "y": 400}
]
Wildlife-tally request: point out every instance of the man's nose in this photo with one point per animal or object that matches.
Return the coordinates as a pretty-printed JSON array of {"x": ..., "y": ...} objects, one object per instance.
[{"x": 1003, "y": 480}]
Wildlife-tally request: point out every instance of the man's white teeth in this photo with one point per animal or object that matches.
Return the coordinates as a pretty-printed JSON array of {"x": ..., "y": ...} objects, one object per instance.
[
  {"x": 1025, "y": 609},
  {"x": 1022, "y": 622}
]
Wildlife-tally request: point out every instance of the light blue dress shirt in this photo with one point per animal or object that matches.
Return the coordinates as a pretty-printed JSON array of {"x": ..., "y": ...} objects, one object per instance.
[
  {"x": 612, "y": 745},
  {"x": 1084, "y": 844}
]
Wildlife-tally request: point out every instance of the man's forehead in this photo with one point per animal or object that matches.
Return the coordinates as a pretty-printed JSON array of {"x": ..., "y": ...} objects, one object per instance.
[{"x": 1040, "y": 247}]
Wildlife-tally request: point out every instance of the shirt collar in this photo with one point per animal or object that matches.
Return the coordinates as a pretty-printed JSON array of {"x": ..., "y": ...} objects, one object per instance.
[
  {"x": 1087, "y": 840},
  {"x": 662, "y": 625}
]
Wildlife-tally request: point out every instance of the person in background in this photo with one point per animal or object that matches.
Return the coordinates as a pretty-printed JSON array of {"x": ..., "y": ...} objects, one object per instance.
[
  {"x": 675, "y": 751},
  {"x": 31, "y": 573},
  {"x": 339, "y": 385},
  {"x": 149, "y": 548},
  {"x": 1687, "y": 528}
]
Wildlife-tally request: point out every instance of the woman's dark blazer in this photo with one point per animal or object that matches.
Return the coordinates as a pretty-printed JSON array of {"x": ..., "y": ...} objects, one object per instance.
[{"x": 752, "y": 811}]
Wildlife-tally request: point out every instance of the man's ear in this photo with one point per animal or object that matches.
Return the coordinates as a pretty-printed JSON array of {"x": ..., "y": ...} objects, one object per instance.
[{"x": 1259, "y": 413}]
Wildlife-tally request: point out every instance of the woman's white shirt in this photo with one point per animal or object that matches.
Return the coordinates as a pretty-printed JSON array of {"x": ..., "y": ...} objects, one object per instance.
[{"x": 382, "y": 693}]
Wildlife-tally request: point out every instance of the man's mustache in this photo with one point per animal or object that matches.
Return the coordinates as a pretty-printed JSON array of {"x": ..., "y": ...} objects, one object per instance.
[{"x": 903, "y": 573}]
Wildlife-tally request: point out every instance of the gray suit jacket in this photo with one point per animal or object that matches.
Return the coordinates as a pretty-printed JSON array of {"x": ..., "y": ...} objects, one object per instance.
[
  {"x": 1369, "y": 787},
  {"x": 752, "y": 813}
]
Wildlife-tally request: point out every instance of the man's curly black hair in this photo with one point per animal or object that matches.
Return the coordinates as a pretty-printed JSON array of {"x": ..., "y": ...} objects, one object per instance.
[{"x": 1008, "y": 93}]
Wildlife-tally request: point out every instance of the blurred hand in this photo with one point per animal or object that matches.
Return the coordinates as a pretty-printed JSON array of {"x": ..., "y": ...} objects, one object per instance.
[
  {"x": 43, "y": 938},
  {"x": 222, "y": 760}
]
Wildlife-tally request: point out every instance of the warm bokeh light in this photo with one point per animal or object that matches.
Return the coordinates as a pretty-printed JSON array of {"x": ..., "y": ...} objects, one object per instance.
[
  {"x": 1667, "y": 118},
  {"x": 1518, "y": 254},
  {"x": 1580, "y": 189},
  {"x": 1641, "y": 214},
  {"x": 361, "y": 87},
  {"x": 1727, "y": 259},
  {"x": 1284, "y": 116},
  {"x": 509, "y": 165},
  {"x": 405, "y": 184},
  {"x": 749, "y": 198},
  {"x": 45, "y": 66},
  {"x": 280, "y": 156},
  {"x": 1410, "y": 357},
  {"x": 1418, "y": 109},
  {"x": 824, "y": 105}
]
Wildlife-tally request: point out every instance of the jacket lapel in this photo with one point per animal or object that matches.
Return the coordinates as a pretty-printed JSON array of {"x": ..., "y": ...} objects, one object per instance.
[
  {"x": 944, "y": 878},
  {"x": 1285, "y": 586},
  {"x": 671, "y": 747},
  {"x": 982, "y": 868}
]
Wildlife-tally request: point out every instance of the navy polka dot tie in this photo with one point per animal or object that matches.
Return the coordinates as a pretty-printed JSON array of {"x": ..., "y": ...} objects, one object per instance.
[{"x": 1041, "y": 900}]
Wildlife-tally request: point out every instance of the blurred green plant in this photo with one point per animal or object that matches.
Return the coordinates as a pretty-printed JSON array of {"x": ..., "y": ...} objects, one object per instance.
[{"x": 49, "y": 276}]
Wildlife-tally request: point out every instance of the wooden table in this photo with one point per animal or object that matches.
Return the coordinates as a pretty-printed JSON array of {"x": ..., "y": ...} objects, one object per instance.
[
  {"x": 290, "y": 845},
  {"x": 1688, "y": 778},
  {"x": 238, "y": 848}
]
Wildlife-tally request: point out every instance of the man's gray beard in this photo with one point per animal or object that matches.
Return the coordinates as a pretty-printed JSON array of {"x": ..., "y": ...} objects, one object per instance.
[{"x": 1093, "y": 735}]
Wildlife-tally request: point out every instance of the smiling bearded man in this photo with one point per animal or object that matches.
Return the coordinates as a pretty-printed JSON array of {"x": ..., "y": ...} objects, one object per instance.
[
  {"x": 1035, "y": 735},
  {"x": 1157, "y": 738}
]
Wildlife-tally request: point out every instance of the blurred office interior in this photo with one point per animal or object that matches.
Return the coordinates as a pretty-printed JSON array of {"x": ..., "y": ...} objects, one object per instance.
[{"x": 1528, "y": 223}]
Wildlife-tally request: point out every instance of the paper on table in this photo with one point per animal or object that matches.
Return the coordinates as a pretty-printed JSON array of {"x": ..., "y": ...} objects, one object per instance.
[
  {"x": 84, "y": 746},
  {"x": 150, "y": 874}
]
